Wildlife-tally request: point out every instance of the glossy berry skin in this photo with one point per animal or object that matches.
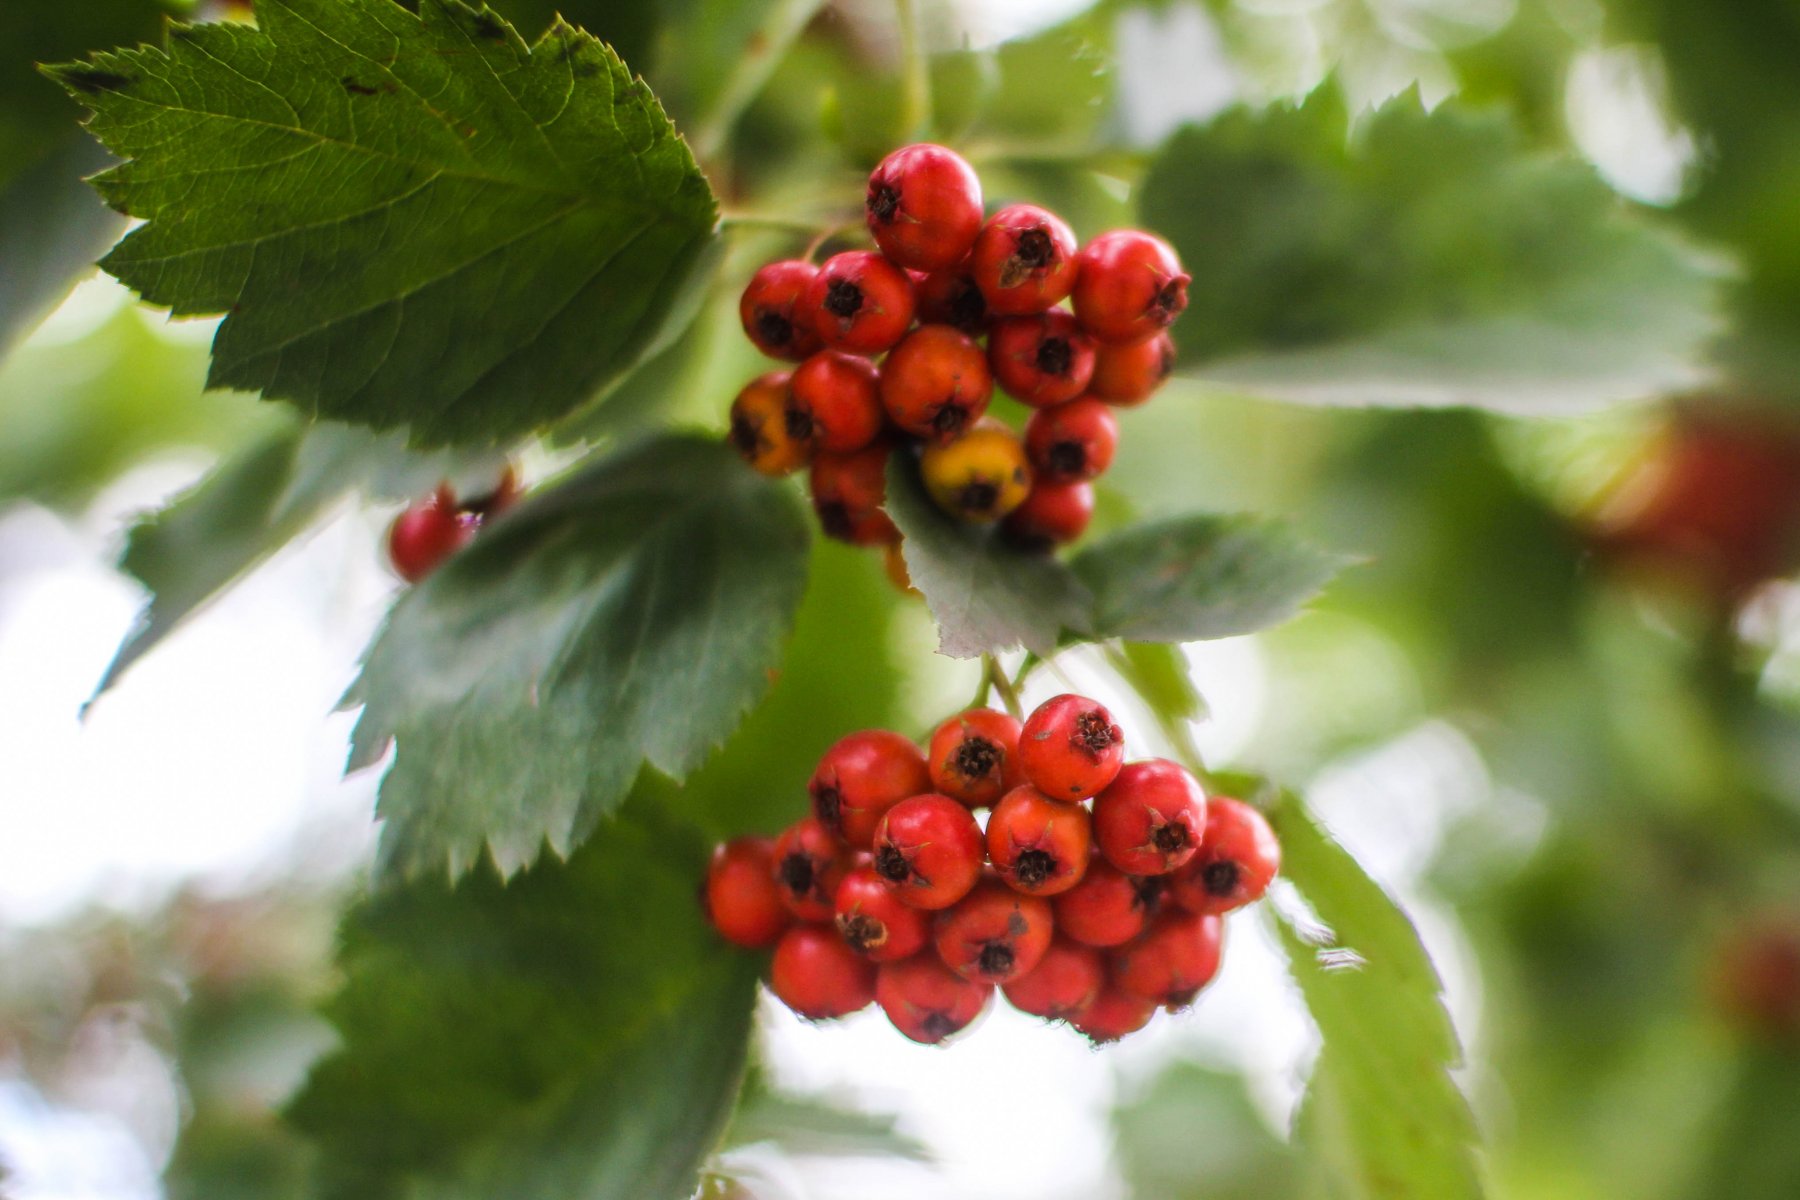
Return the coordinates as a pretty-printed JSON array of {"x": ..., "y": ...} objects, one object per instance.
[
  {"x": 770, "y": 310},
  {"x": 952, "y": 298},
  {"x": 1038, "y": 845},
  {"x": 1024, "y": 260},
  {"x": 1127, "y": 375},
  {"x": 1107, "y": 907},
  {"x": 924, "y": 207},
  {"x": 759, "y": 427},
  {"x": 1151, "y": 819},
  {"x": 1071, "y": 747},
  {"x": 981, "y": 476},
  {"x": 928, "y": 849},
  {"x": 1177, "y": 956},
  {"x": 926, "y": 1000},
  {"x": 834, "y": 402},
  {"x": 819, "y": 977},
  {"x": 1051, "y": 515},
  {"x": 426, "y": 534},
  {"x": 1071, "y": 442},
  {"x": 807, "y": 864},
  {"x": 862, "y": 776},
  {"x": 1114, "y": 1014},
  {"x": 974, "y": 756},
  {"x": 1041, "y": 359},
  {"x": 1130, "y": 288},
  {"x": 994, "y": 934},
  {"x": 848, "y": 491},
  {"x": 1063, "y": 985},
  {"x": 874, "y": 923},
  {"x": 742, "y": 900},
  {"x": 859, "y": 303},
  {"x": 1238, "y": 858},
  {"x": 935, "y": 383}
]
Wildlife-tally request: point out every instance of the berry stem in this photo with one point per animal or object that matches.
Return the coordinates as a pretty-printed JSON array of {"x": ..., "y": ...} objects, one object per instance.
[
  {"x": 762, "y": 53},
  {"x": 755, "y": 220},
  {"x": 1009, "y": 695},
  {"x": 915, "y": 81}
]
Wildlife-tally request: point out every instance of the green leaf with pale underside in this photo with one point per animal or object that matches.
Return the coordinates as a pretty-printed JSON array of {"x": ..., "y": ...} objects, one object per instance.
[
  {"x": 629, "y": 614},
  {"x": 408, "y": 220}
]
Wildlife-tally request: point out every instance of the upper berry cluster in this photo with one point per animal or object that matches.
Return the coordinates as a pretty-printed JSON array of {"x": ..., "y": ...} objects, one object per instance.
[
  {"x": 1069, "y": 331},
  {"x": 891, "y": 891}
]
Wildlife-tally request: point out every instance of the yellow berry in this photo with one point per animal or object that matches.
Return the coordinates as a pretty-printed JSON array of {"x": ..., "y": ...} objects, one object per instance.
[{"x": 981, "y": 476}]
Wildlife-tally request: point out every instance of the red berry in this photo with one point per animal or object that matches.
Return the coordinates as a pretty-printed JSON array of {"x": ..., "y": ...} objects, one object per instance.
[
  {"x": 1038, "y": 845},
  {"x": 952, "y": 298},
  {"x": 770, "y": 306},
  {"x": 423, "y": 536},
  {"x": 924, "y": 207},
  {"x": 1107, "y": 907},
  {"x": 1024, "y": 260},
  {"x": 834, "y": 402},
  {"x": 742, "y": 900},
  {"x": 1071, "y": 442},
  {"x": 807, "y": 865},
  {"x": 760, "y": 428},
  {"x": 819, "y": 977},
  {"x": 861, "y": 777},
  {"x": 1130, "y": 288},
  {"x": 874, "y": 922},
  {"x": 1071, "y": 747},
  {"x": 1113, "y": 1014},
  {"x": 848, "y": 491},
  {"x": 935, "y": 383},
  {"x": 1238, "y": 857},
  {"x": 1041, "y": 359},
  {"x": 974, "y": 756},
  {"x": 1128, "y": 374},
  {"x": 926, "y": 1000},
  {"x": 928, "y": 849},
  {"x": 994, "y": 934},
  {"x": 1063, "y": 985},
  {"x": 1755, "y": 978},
  {"x": 1151, "y": 819},
  {"x": 859, "y": 302},
  {"x": 1051, "y": 514},
  {"x": 1177, "y": 956}
]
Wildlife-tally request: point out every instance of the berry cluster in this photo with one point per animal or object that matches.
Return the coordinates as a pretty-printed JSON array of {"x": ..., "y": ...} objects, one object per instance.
[
  {"x": 940, "y": 281},
  {"x": 892, "y": 892},
  {"x": 432, "y": 529}
]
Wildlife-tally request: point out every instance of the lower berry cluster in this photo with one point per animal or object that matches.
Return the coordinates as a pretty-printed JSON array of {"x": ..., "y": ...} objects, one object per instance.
[{"x": 1093, "y": 895}]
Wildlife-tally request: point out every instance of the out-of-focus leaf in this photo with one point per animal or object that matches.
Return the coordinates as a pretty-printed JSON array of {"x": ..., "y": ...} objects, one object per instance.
[
  {"x": 258, "y": 501},
  {"x": 1382, "y": 1117},
  {"x": 810, "y": 1127},
  {"x": 984, "y": 594},
  {"x": 628, "y": 614},
  {"x": 52, "y": 228},
  {"x": 1158, "y": 671},
  {"x": 1193, "y": 578},
  {"x": 1428, "y": 260},
  {"x": 1191, "y": 1134},
  {"x": 576, "y": 1034},
  {"x": 429, "y": 223}
]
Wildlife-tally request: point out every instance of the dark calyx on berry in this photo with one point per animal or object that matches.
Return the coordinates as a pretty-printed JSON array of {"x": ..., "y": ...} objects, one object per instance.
[
  {"x": 1093, "y": 733},
  {"x": 938, "y": 1025},
  {"x": 977, "y": 758},
  {"x": 843, "y": 298},
  {"x": 1170, "y": 300},
  {"x": 950, "y": 419},
  {"x": 1147, "y": 891},
  {"x": 891, "y": 865},
  {"x": 863, "y": 932},
  {"x": 1034, "y": 249},
  {"x": 978, "y": 497},
  {"x": 1170, "y": 837},
  {"x": 1220, "y": 878},
  {"x": 775, "y": 329},
  {"x": 996, "y": 958},
  {"x": 746, "y": 435},
  {"x": 800, "y": 424},
  {"x": 884, "y": 201},
  {"x": 968, "y": 310},
  {"x": 834, "y": 519},
  {"x": 1067, "y": 458},
  {"x": 1055, "y": 356},
  {"x": 1034, "y": 866},
  {"x": 797, "y": 874},
  {"x": 828, "y": 802}
]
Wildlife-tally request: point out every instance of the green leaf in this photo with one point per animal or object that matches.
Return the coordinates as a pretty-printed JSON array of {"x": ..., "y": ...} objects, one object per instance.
[
  {"x": 425, "y": 221},
  {"x": 1382, "y": 1117},
  {"x": 1192, "y": 1133},
  {"x": 984, "y": 594},
  {"x": 1193, "y": 578},
  {"x": 1429, "y": 260},
  {"x": 576, "y": 1034},
  {"x": 804, "y": 1126},
  {"x": 253, "y": 504},
  {"x": 51, "y": 230},
  {"x": 629, "y": 614}
]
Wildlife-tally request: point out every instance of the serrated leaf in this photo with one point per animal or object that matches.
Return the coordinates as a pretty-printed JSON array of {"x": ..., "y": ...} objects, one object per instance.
[
  {"x": 984, "y": 594},
  {"x": 253, "y": 504},
  {"x": 410, "y": 220},
  {"x": 630, "y": 614},
  {"x": 1430, "y": 260},
  {"x": 576, "y": 1034},
  {"x": 1382, "y": 1118},
  {"x": 1193, "y": 578}
]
